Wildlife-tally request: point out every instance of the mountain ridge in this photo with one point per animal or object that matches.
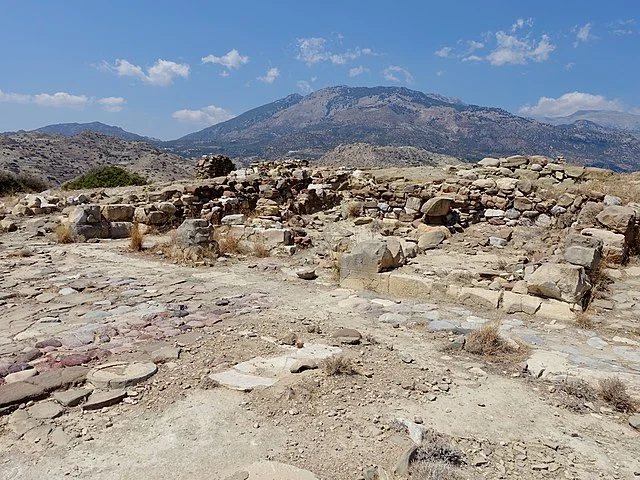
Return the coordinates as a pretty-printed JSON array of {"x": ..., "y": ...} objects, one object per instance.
[{"x": 71, "y": 129}]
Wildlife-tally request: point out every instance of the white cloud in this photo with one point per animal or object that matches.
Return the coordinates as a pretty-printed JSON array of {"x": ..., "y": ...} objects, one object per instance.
[
  {"x": 232, "y": 60},
  {"x": 439, "y": 73},
  {"x": 472, "y": 58},
  {"x": 160, "y": 73},
  {"x": 570, "y": 103},
  {"x": 623, "y": 27},
  {"x": 8, "y": 97},
  {"x": 473, "y": 46},
  {"x": 515, "y": 50},
  {"x": 270, "y": 76},
  {"x": 112, "y": 104},
  {"x": 304, "y": 87},
  {"x": 314, "y": 50},
  {"x": 583, "y": 34},
  {"x": 393, "y": 73},
  {"x": 62, "y": 100},
  {"x": 444, "y": 52},
  {"x": 355, "y": 71},
  {"x": 207, "y": 115},
  {"x": 521, "y": 23},
  {"x": 569, "y": 66}
]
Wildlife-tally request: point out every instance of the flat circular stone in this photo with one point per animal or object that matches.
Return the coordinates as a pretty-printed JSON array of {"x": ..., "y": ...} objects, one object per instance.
[{"x": 120, "y": 374}]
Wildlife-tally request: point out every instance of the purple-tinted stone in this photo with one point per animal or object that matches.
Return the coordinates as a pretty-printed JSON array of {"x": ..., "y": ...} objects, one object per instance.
[
  {"x": 50, "y": 342},
  {"x": 74, "y": 360},
  {"x": 19, "y": 367},
  {"x": 28, "y": 356}
]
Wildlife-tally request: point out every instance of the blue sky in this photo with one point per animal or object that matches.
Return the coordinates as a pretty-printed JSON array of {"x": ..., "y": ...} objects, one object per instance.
[{"x": 167, "y": 68}]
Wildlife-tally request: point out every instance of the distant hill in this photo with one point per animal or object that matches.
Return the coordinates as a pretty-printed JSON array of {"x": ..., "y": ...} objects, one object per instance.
[
  {"x": 70, "y": 129},
  {"x": 311, "y": 126},
  {"x": 59, "y": 158},
  {"x": 604, "y": 118},
  {"x": 365, "y": 155}
]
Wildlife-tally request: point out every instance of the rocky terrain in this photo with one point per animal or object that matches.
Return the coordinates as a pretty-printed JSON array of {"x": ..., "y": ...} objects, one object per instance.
[
  {"x": 287, "y": 321},
  {"x": 71, "y": 129},
  {"x": 310, "y": 126},
  {"x": 59, "y": 158},
  {"x": 364, "y": 155}
]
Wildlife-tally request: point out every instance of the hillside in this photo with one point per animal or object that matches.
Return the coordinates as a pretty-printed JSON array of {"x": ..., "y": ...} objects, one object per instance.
[
  {"x": 311, "y": 126},
  {"x": 603, "y": 118},
  {"x": 70, "y": 129},
  {"x": 364, "y": 155},
  {"x": 59, "y": 158}
]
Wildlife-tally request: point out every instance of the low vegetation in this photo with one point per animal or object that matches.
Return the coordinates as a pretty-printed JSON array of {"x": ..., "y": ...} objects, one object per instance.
[
  {"x": 339, "y": 365},
  {"x": 64, "y": 234},
  {"x": 575, "y": 394},
  {"x": 584, "y": 321},
  {"x": 11, "y": 183},
  {"x": 136, "y": 238},
  {"x": 353, "y": 209},
  {"x": 105, "y": 177},
  {"x": 435, "y": 459},
  {"x": 229, "y": 243},
  {"x": 613, "y": 391},
  {"x": 487, "y": 342}
]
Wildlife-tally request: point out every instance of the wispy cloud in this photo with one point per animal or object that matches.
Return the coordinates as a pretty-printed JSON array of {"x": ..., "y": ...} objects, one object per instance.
[
  {"x": 621, "y": 27},
  {"x": 232, "y": 60},
  {"x": 112, "y": 104},
  {"x": 521, "y": 23},
  {"x": 356, "y": 71},
  {"x": 444, "y": 52},
  {"x": 270, "y": 76},
  {"x": 394, "y": 72},
  {"x": 62, "y": 100},
  {"x": 313, "y": 50},
  {"x": 569, "y": 66},
  {"x": 304, "y": 87},
  {"x": 162, "y": 73},
  {"x": 570, "y": 103},
  {"x": 583, "y": 34},
  {"x": 205, "y": 116}
]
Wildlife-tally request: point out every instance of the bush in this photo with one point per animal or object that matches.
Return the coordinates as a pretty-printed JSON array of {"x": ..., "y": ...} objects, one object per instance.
[
  {"x": 10, "y": 183},
  {"x": 613, "y": 391},
  {"x": 339, "y": 365},
  {"x": 104, "y": 177},
  {"x": 136, "y": 238},
  {"x": 63, "y": 233}
]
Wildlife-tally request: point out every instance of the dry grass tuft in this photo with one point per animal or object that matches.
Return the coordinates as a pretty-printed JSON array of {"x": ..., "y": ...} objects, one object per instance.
[
  {"x": 338, "y": 365},
  {"x": 613, "y": 391},
  {"x": 487, "y": 342},
  {"x": 21, "y": 253},
  {"x": 64, "y": 234},
  {"x": 584, "y": 321},
  {"x": 435, "y": 459},
  {"x": 575, "y": 392},
  {"x": 136, "y": 238},
  {"x": 229, "y": 243},
  {"x": 198, "y": 255},
  {"x": 353, "y": 209}
]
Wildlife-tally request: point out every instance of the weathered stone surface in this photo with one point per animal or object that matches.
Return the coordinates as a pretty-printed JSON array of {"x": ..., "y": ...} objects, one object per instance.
[
  {"x": 559, "y": 281},
  {"x": 397, "y": 252},
  {"x": 617, "y": 218},
  {"x": 516, "y": 303},
  {"x": 347, "y": 336},
  {"x": 19, "y": 392},
  {"x": 45, "y": 410},
  {"x": 72, "y": 397},
  {"x": 117, "y": 375},
  {"x": 302, "y": 365},
  {"x": 437, "y": 206},
  {"x": 431, "y": 239},
  {"x": 20, "y": 376},
  {"x": 235, "y": 219},
  {"x": 267, "y": 470},
  {"x": 582, "y": 250},
  {"x": 117, "y": 213},
  {"x": 615, "y": 248},
  {"x": 59, "y": 378},
  {"x": 307, "y": 273},
  {"x": 587, "y": 215},
  {"x": 555, "y": 310},
  {"x": 367, "y": 258},
  {"x": 104, "y": 399},
  {"x": 544, "y": 364},
  {"x": 481, "y": 296},
  {"x": 194, "y": 232},
  {"x": 634, "y": 421},
  {"x": 212, "y": 166},
  {"x": 165, "y": 354}
]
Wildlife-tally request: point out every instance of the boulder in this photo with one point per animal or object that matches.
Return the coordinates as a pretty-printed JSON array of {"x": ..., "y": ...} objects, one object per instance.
[
  {"x": 394, "y": 245},
  {"x": 367, "y": 258},
  {"x": 615, "y": 247},
  {"x": 587, "y": 215},
  {"x": 437, "y": 206},
  {"x": 431, "y": 238},
  {"x": 565, "y": 282},
  {"x": 617, "y": 218},
  {"x": 582, "y": 250},
  {"x": 212, "y": 166},
  {"x": 194, "y": 232},
  {"x": 118, "y": 213},
  {"x": 516, "y": 303}
]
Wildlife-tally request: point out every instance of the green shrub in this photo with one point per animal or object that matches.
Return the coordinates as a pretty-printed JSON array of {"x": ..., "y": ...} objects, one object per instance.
[
  {"x": 10, "y": 183},
  {"x": 103, "y": 177}
]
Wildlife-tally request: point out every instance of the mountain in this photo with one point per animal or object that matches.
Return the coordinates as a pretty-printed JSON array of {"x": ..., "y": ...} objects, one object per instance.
[
  {"x": 365, "y": 155},
  {"x": 58, "y": 158},
  {"x": 604, "y": 118},
  {"x": 310, "y": 126},
  {"x": 70, "y": 129}
]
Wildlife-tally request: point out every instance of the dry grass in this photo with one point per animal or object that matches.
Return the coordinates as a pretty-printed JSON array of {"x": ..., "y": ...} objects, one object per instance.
[
  {"x": 338, "y": 365},
  {"x": 600, "y": 282},
  {"x": 435, "y": 459},
  {"x": 229, "y": 243},
  {"x": 353, "y": 209},
  {"x": 583, "y": 320},
  {"x": 487, "y": 342},
  {"x": 136, "y": 238},
  {"x": 170, "y": 250},
  {"x": 21, "y": 253},
  {"x": 575, "y": 392},
  {"x": 64, "y": 234},
  {"x": 613, "y": 391}
]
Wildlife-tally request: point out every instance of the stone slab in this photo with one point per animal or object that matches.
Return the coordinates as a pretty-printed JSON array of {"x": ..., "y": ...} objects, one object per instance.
[
  {"x": 71, "y": 398},
  {"x": 104, "y": 399},
  {"x": 45, "y": 410},
  {"x": 117, "y": 375}
]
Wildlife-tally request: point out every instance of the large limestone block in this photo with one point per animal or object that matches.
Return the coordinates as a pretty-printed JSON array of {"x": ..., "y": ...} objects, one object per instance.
[
  {"x": 516, "y": 303},
  {"x": 431, "y": 237},
  {"x": 118, "y": 213},
  {"x": 437, "y": 206},
  {"x": 481, "y": 296},
  {"x": 615, "y": 248},
  {"x": 402, "y": 285},
  {"x": 194, "y": 232},
  {"x": 397, "y": 251},
  {"x": 617, "y": 218},
  {"x": 584, "y": 251},
  {"x": 565, "y": 282}
]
